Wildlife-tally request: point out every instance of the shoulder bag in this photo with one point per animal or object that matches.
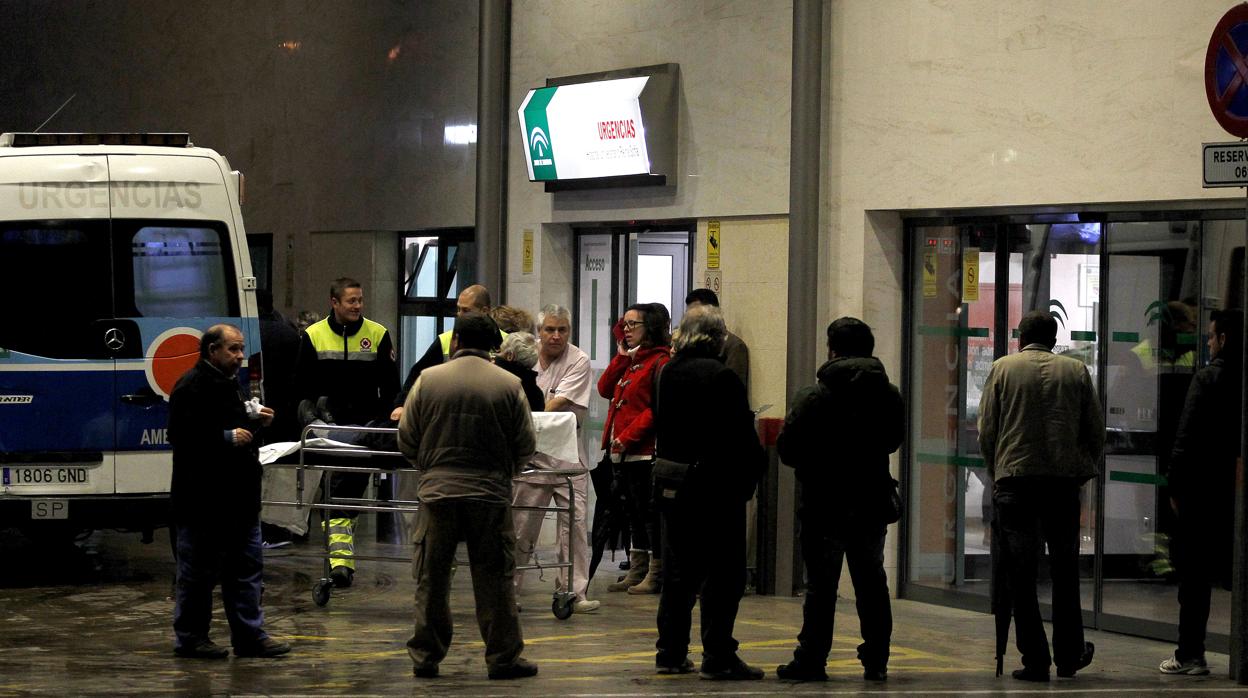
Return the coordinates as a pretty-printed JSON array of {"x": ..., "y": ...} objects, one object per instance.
[{"x": 668, "y": 476}]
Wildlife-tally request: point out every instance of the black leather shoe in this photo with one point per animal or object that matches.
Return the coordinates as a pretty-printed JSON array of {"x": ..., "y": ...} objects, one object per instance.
[
  {"x": 731, "y": 670},
  {"x": 875, "y": 674},
  {"x": 797, "y": 671},
  {"x": 266, "y": 648},
  {"x": 425, "y": 671},
  {"x": 342, "y": 576},
  {"x": 1026, "y": 674},
  {"x": 1067, "y": 672},
  {"x": 203, "y": 650},
  {"x": 519, "y": 669},
  {"x": 683, "y": 668}
]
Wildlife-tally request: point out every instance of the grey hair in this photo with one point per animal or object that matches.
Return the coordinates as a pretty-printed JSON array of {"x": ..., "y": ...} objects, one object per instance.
[
  {"x": 701, "y": 329},
  {"x": 520, "y": 347},
  {"x": 552, "y": 310}
]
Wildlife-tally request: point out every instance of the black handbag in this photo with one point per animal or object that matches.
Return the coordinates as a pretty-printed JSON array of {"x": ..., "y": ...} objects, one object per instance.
[{"x": 669, "y": 478}]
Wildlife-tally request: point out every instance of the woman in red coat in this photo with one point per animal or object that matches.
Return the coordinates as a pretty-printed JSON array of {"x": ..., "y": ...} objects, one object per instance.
[{"x": 628, "y": 436}]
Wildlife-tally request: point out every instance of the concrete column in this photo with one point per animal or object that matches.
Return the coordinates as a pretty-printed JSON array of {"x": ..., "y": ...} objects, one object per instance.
[
  {"x": 805, "y": 147},
  {"x": 493, "y": 69}
]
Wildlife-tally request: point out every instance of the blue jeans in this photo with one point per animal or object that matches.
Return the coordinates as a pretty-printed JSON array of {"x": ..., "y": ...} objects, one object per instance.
[{"x": 231, "y": 554}]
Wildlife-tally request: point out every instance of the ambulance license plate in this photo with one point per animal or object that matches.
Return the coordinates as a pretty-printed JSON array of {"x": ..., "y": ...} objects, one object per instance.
[
  {"x": 49, "y": 475},
  {"x": 49, "y": 509}
]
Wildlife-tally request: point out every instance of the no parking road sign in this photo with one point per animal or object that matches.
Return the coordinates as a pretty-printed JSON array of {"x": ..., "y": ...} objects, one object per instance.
[{"x": 1226, "y": 71}]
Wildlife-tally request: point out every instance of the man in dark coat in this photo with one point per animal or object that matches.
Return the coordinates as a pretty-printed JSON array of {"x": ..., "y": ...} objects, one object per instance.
[
  {"x": 838, "y": 436},
  {"x": 1202, "y": 487},
  {"x": 216, "y": 502},
  {"x": 702, "y": 417}
]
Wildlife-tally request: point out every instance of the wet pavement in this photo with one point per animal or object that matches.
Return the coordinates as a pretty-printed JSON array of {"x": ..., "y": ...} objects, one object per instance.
[{"x": 95, "y": 619}]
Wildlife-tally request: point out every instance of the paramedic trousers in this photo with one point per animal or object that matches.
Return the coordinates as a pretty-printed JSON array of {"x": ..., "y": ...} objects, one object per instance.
[
  {"x": 342, "y": 523},
  {"x": 540, "y": 491},
  {"x": 1034, "y": 511},
  {"x": 704, "y": 553},
  {"x": 491, "y": 540},
  {"x": 825, "y": 548},
  {"x": 231, "y": 554}
]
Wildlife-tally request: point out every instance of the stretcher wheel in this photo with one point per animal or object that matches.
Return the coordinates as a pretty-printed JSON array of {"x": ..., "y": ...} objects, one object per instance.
[
  {"x": 562, "y": 606},
  {"x": 320, "y": 592}
]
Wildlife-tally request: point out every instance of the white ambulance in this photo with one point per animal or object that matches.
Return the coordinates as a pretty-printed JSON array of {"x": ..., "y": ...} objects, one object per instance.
[{"x": 116, "y": 252}]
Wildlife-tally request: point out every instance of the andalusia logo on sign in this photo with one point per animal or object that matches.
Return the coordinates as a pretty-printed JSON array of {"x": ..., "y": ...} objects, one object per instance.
[{"x": 538, "y": 141}]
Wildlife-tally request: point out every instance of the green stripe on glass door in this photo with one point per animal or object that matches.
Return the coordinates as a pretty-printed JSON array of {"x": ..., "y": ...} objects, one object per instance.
[
  {"x": 951, "y": 331},
  {"x": 1136, "y": 478}
]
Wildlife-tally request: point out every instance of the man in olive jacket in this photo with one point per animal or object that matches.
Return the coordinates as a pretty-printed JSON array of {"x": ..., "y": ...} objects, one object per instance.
[
  {"x": 1041, "y": 434},
  {"x": 467, "y": 427},
  {"x": 838, "y": 436}
]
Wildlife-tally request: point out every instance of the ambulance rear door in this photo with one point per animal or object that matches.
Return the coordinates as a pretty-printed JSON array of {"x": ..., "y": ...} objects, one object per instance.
[
  {"x": 178, "y": 263},
  {"x": 58, "y": 342}
]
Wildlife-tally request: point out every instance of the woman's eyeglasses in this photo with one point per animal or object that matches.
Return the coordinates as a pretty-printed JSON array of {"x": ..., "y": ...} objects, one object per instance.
[{"x": 630, "y": 324}]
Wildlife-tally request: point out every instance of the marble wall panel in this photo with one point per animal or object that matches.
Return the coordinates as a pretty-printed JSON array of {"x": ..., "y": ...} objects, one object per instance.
[
  {"x": 734, "y": 59},
  {"x": 950, "y": 106}
]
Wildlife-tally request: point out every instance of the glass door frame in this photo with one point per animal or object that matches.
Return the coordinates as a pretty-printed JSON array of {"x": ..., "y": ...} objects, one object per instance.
[
  {"x": 623, "y": 247},
  {"x": 914, "y": 246}
]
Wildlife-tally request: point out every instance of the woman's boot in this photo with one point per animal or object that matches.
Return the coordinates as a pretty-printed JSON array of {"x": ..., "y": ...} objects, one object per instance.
[
  {"x": 638, "y": 564},
  {"x": 653, "y": 583}
]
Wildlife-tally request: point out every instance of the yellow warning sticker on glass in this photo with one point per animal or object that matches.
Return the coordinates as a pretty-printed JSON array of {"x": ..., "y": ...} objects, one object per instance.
[
  {"x": 929, "y": 273},
  {"x": 970, "y": 275}
]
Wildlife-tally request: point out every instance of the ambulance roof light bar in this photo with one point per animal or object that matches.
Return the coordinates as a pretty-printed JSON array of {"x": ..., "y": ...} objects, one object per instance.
[{"x": 34, "y": 140}]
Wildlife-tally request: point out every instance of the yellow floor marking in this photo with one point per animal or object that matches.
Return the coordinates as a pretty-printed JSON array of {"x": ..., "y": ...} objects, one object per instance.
[{"x": 565, "y": 638}]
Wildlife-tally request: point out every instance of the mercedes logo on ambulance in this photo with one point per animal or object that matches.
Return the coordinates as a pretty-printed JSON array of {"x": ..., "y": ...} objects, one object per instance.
[{"x": 114, "y": 339}]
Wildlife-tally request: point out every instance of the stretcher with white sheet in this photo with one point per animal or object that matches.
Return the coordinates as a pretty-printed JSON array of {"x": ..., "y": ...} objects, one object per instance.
[{"x": 294, "y": 487}]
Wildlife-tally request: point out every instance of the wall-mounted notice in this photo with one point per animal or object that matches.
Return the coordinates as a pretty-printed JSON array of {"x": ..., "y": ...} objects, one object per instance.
[
  {"x": 970, "y": 275},
  {"x": 526, "y": 259},
  {"x": 712, "y": 245}
]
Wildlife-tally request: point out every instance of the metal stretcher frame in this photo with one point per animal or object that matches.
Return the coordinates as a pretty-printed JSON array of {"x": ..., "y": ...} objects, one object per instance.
[{"x": 562, "y": 601}]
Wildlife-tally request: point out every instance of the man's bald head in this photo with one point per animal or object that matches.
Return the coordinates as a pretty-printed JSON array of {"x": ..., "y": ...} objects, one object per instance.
[{"x": 474, "y": 299}]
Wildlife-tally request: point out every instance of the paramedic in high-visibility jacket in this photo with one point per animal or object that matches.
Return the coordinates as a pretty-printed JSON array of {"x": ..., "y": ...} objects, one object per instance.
[{"x": 349, "y": 360}]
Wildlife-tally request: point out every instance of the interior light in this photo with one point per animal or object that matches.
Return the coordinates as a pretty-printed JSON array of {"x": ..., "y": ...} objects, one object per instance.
[{"x": 460, "y": 135}]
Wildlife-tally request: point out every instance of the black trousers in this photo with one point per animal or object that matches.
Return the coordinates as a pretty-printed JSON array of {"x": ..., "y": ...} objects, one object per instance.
[
  {"x": 704, "y": 553},
  {"x": 1035, "y": 511},
  {"x": 643, "y": 521},
  {"x": 826, "y": 546},
  {"x": 1201, "y": 553}
]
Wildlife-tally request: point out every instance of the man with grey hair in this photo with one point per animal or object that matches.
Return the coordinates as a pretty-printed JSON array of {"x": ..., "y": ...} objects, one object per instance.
[{"x": 564, "y": 376}]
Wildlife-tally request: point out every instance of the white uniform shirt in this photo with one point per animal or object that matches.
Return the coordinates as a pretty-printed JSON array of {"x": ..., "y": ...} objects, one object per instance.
[{"x": 568, "y": 377}]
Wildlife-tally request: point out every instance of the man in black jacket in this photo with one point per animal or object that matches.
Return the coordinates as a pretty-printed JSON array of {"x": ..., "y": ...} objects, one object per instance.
[
  {"x": 1202, "y": 487},
  {"x": 838, "y": 436},
  {"x": 216, "y": 502}
]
